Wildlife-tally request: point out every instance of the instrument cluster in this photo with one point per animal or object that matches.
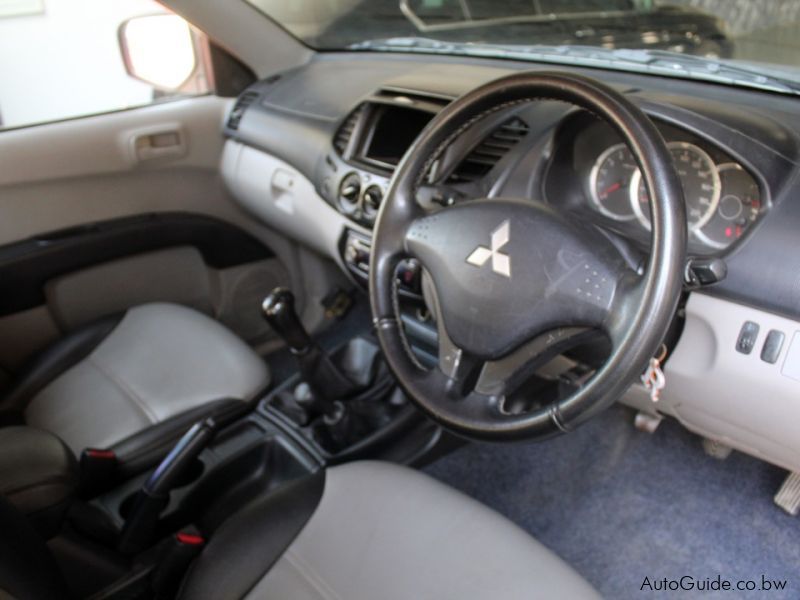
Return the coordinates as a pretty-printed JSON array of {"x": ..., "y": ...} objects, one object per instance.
[{"x": 723, "y": 199}]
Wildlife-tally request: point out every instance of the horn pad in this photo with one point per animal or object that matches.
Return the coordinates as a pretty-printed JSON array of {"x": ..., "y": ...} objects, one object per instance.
[{"x": 507, "y": 270}]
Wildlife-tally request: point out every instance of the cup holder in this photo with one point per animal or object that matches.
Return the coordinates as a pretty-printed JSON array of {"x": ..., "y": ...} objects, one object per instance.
[
  {"x": 192, "y": 474},
  {"x": 127, "y": 505}
]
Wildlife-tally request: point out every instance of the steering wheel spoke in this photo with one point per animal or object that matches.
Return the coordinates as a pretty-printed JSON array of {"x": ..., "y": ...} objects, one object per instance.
[
  {"x": 500, "y": 377},
  {"x": 454, "y": 362},
  {"x": 628, "y": 298}
]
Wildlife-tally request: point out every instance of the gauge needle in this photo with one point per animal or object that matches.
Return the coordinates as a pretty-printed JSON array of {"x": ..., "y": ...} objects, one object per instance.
[{"x": 610, "y": 189}]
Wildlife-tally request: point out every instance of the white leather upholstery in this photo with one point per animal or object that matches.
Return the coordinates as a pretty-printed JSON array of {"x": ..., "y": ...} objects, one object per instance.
[
  {"x": 385, "y": 531},
  {"x": 161, "y": 360}
]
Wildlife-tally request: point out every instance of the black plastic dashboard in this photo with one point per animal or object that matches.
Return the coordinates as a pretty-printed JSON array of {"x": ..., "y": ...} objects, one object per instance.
[{"x": 737, "y": 150}]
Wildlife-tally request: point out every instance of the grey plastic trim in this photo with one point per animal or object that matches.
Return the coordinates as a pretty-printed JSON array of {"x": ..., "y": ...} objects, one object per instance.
[
  {"x": 104, "y": 144},
  {"x": 734, "y": 398},
  {"x": 283, "y": 198},
  {"x": 176, "y": 275}
]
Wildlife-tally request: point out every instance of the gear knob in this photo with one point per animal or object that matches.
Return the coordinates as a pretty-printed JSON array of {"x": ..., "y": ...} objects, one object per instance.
[{"x": 280, "y": 313}]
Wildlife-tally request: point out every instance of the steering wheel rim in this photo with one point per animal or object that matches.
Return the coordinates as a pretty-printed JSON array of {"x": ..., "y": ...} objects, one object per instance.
[{"x": 634, "y": 310}]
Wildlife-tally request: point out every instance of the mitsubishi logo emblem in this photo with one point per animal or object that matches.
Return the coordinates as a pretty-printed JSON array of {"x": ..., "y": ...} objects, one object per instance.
[{"x": 501, "y": 262}]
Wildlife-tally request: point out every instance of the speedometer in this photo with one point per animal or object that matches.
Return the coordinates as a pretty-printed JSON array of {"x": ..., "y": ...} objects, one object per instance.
[
  {"x": 738, "y": 208},
  {"x": 609, "y": 182},
  {"x": 700, "y": 180}
]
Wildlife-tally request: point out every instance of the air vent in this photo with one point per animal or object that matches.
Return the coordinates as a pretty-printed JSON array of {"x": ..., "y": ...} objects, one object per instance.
[
  {"x": 373, "y": 196},
  {"x": 241, "y": 105},
  {"x": 410, "y": 98},
  {"x": 349, "y": 193},
  {"x": 489, "y": 152},
  {"x": 345, "y": 132}
]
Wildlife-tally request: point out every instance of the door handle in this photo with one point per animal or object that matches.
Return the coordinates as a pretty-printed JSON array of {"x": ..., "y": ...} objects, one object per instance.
[{"x": 166, "y": 141}]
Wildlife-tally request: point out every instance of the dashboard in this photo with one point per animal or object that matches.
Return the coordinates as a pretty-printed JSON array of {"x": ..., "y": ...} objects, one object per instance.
[
  {"x": 587, "y": 171},
  {"x": 311, "y": 153}
]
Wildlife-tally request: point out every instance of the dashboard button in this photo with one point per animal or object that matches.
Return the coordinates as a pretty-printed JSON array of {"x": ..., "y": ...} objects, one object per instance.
[
  {"x": 772, "y": 346},
  {"x": 747, "y": 337}
]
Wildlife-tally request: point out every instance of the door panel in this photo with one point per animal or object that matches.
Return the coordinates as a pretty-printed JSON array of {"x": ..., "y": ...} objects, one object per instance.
[
  {"x": 174, "y": 274},
  {"x": 26, "y": 266},
  {"x": 92, "y": 171},
  {"x": 106, "y": 143}
]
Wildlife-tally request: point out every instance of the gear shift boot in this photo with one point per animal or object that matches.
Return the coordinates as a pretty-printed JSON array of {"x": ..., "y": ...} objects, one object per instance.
[{"x": 327, "y": 381}]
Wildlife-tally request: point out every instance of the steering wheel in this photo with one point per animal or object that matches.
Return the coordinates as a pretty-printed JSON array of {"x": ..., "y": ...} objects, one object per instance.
[{"x": 513, "y": 282}]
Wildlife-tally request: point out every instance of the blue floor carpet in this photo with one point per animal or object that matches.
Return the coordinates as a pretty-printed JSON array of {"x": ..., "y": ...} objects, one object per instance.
[{"x": 621, "y": 505}]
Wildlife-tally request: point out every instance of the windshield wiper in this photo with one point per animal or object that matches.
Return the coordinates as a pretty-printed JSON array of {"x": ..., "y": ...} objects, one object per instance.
[{"x": 659, "y": 62}]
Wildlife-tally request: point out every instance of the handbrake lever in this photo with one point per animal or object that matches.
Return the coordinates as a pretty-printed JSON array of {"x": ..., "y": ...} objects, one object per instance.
[{"x": 140, "y": 526}]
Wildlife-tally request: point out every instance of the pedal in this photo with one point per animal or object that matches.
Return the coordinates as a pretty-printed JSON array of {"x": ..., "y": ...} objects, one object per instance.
[
  {"x": 716, "y": 449},
  {"x": 647, "y": 422},
  {"x": 788, "y": 497}
]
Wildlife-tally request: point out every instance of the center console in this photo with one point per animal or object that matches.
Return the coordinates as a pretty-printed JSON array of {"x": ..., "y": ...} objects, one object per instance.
[
  {"x": 354, "y": 178},
  {"x": 420, "y": 330}
]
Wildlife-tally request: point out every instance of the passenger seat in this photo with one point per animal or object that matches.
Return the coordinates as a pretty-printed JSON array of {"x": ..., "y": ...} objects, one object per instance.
[{"x": 134, "y": 383}]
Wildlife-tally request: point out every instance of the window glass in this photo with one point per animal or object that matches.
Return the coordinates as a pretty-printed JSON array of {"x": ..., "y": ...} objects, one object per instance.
[
  {"x": 757, "y": 39},
  {"x": 63, "y": 58}
]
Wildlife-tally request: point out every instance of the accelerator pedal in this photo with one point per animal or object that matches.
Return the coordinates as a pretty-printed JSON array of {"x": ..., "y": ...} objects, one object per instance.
[{"x": 788, "y": 497}]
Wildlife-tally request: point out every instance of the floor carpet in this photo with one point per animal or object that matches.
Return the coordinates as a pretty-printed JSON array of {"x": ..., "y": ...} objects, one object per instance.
[{"x": 621, "y": 505}]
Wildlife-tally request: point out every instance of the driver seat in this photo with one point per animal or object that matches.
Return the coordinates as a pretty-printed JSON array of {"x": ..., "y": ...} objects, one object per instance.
[
  {"x": 359, "y": 531},
  {"x": 367, "y": 530}
]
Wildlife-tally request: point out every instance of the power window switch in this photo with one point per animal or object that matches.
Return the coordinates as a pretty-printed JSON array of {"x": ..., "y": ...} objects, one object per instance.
[
  {"x": 747, "y": 337},
  {"x": 772, "y": 346}
]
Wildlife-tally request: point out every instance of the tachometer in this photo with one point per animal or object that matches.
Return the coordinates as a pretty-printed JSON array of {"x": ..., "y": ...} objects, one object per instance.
[
  {"x": 739, "y": 206},
  {"x": 701, "y": 186},
  {"x": 609, "y": 182}
]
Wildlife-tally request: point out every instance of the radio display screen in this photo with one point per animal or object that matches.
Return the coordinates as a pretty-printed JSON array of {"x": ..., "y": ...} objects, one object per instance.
[{"x": 394, "y": 130}]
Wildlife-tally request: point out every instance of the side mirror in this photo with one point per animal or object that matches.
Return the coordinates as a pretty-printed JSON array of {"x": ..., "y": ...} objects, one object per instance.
[{"x": 158, "y": 50}]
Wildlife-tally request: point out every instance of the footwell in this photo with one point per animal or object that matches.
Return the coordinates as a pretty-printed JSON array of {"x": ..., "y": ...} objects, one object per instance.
[{"x": 621, "y": 506}]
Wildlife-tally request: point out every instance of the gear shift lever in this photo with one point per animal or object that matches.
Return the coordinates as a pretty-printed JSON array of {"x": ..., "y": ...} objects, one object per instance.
[
  {"x": 279, "y": 310},
  {"x": 327, "y": 382}
]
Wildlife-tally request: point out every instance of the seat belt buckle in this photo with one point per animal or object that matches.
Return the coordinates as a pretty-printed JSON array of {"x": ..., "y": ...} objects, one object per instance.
[
  {"x": 97, "y": 467},
  {"x": 174, "y": 562}
]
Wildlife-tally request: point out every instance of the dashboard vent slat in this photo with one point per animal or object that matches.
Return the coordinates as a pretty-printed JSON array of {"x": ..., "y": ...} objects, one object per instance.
[
  {"x": 410, "y": 97},
  {"x": 242, "y": 102},
  {"x": 489, "y": 152},
  {"x": 345, "y": 131}
]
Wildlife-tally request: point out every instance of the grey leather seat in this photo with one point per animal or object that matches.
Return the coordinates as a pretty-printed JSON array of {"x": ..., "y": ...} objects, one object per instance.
[
  {"x": 134, "y": 383},
  {"x": 370, "y": 530}
]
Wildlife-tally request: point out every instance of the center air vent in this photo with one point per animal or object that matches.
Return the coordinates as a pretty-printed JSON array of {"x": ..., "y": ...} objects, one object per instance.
[
  {"x": 489, "y": 152},
  {"x": 349, "y": 193},
  {"x": 345, "y": 131},
  {"x": 241, "y": 105},
  {"x": 373, "y": 196}
]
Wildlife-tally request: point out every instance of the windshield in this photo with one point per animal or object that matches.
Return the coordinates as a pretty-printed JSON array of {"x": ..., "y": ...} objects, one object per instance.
[{"x": 759, "y": 39}]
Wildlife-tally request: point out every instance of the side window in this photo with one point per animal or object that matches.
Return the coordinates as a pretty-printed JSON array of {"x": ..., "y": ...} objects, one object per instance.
[{"x": 61, "y": 59}]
